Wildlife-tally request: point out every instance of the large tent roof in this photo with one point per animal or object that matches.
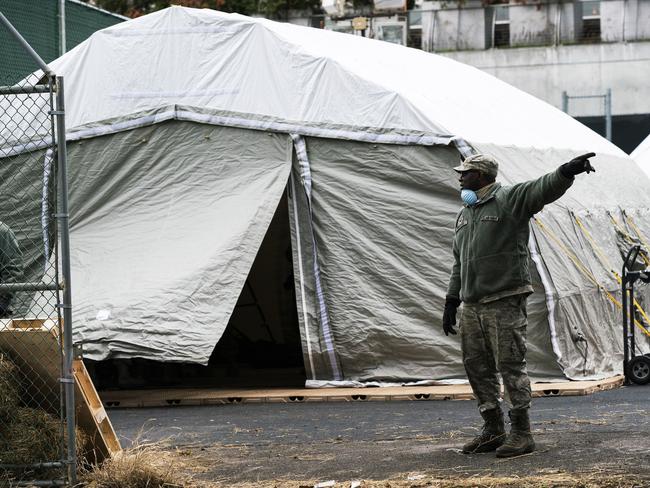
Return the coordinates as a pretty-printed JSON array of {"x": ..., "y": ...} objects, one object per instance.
[
  {"x": 304, "y": 77},
  {"x": 642, "y": 155}
]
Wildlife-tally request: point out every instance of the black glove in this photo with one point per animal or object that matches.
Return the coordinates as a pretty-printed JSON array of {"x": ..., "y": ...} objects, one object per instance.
[
  {"x": 449, "y": 315},
  {"x": 578, "y": 165}
]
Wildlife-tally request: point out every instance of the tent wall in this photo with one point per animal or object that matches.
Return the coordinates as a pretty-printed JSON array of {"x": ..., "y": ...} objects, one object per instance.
[
  {"x": 166, "y": 223},
  {"x": 540, "y": 357},
  {"x": 582, "y": 239},
  {"x": 382, "y": 222},
  {"x": 27, "y": 183}
]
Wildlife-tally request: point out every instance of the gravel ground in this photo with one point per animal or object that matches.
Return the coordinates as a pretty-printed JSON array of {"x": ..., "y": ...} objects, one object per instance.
[{"x": 596, "y": 436}]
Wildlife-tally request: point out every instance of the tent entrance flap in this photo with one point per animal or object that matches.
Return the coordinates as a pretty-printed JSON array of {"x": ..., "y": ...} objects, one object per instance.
[
  {"x": 260, "y": 345},
  {"x": 262, "y": 337}
]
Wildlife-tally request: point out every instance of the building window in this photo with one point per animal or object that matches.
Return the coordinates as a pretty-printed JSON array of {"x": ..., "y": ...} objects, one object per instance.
[
  {"x": 414, "y": 38},
  {"x": 392, "y": 33},
  {"x": 501, "y": 26},
  {"x": 590, "y": 16},
  {"x": 317, "y": 21}
]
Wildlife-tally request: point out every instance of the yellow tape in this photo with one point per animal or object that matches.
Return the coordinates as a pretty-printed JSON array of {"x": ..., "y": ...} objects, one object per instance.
[
  {"x": 589, "y": 275},
  {"x": 629, "y": 238},
  {"x": 603, "y": 258},
  {"x": 638, "y": 233}
]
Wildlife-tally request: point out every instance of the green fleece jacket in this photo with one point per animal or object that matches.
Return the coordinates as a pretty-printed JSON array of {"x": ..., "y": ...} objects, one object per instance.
[{"x": 491, "y": 238}]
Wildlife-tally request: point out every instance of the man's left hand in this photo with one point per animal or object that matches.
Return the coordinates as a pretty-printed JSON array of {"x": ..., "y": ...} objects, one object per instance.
[{"x": 578, "y": 165}]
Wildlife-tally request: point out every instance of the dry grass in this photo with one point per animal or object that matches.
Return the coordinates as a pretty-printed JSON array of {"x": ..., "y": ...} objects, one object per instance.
[
  {"x": 156, "y": 466},
  {"x": 32, "y": 436},
  {"x": 27, "y": 435},
  {"x": 559, "y": 480},
  {"x": 140, "y": 467},
  {"x": 9, "y": 389}
]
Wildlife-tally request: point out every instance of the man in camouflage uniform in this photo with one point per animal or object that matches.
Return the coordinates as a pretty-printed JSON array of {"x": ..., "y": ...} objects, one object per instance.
[
  {"x": 11, "y": 267},
  {"x": 490, "y": 276}
]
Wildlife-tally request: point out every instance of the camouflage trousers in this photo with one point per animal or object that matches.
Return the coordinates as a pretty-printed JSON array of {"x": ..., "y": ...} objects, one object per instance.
[{"x": 493, "y": 338}]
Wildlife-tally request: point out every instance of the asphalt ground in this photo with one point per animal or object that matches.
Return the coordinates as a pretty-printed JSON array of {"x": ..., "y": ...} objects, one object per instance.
[{"x": 606, "y": 432}]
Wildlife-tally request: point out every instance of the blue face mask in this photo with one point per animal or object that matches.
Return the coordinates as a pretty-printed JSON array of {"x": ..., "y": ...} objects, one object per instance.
[{"x": 469, "y": 197}]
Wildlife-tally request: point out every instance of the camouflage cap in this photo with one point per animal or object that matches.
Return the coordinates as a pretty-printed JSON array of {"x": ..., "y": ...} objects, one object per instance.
[{"x": 480, "y": 162}]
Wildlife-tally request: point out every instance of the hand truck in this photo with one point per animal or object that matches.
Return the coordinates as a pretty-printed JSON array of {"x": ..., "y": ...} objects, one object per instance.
[{"x": 635, "y": 368}]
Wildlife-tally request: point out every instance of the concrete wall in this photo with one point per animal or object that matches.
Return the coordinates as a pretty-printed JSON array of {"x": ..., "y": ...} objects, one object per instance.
[
  {"x": 468, "y": 27},
  {"x": 590, "y": 69},
  {"x": 625, "y": 20},
  {"x": 641, "y": 20},
  {"x": 453, "y": 29},
  {"x": 612, "y": 16},
  {"x": 531, "y": 25}
]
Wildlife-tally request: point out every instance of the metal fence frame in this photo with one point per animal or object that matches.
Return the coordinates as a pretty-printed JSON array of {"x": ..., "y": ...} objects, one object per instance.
[
  {"x": 607, "y": 107},
  {"x": 55, "y": 86}
]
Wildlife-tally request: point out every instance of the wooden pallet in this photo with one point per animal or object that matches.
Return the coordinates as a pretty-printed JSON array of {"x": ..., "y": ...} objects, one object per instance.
[
  {"x": 34, "y": 346},
  {"x": 180, "y": 396}
]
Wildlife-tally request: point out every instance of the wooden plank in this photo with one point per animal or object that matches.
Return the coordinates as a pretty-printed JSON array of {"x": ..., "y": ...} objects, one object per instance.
[
  {"x": 574, "y": 388},
  {"x": 91, "y": 415},
  {"x": 207, "y": 396}
]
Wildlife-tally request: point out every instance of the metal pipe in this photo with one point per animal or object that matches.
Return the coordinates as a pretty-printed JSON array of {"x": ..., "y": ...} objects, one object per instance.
[
  {"x": 53, "y": 464},
  {"x": 631, "y": 314},
  {"x": 625, "y": 322},
  {"x": 27, "y": 484},
  {"x": 57, "y": 294},
  {"x": 565, "y": 102},
  {"x": 24, "y": 89},
  {"x": 21, "y": 40},
  {"x": 30, "y": 287},
  {"x": 62, "y": 39},
  {"x": 587, "y": 96},
  {"x": 608, "y": 114},
  {"x": 64, "y": 235}
]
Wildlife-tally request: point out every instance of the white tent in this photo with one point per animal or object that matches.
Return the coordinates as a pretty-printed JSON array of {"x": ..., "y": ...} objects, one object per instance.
[
  {"x": 186, "y": 126},
  {"x": 642, "y": 155}
]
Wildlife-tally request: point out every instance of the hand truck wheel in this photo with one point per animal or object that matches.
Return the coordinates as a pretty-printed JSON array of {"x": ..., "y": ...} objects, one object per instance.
[{"x": 638, "y": 370}]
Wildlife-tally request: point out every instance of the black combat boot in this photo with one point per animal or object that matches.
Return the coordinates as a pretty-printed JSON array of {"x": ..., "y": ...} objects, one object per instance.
[
  {"x": 519, "y": 441},
  {"x": 492, "y": 435}
]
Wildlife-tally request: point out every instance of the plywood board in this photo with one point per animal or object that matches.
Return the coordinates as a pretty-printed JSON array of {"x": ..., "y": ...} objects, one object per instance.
[
  {"x": 34, "y": 346},
  {"x": 180, "y": 396}
]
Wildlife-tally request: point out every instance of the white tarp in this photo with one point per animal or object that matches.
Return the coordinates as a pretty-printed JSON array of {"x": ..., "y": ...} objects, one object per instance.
[
  {"x": 311, "y": 77},
  {"x": 642, "y": 155}
]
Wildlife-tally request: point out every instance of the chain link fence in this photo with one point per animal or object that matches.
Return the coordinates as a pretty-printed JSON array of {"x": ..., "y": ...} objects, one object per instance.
[{"x": 37, "y": 423}]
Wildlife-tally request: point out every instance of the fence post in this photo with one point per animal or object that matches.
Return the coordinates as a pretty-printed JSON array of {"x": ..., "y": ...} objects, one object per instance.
[
  {"x": 565, "y": 102},
  {"x": 62, "y": 30},
  {"x": 63, "y": 222}
]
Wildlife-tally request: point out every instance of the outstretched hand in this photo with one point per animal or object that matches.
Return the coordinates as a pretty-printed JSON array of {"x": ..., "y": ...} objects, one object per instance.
[{"x": 578, "y": 165}]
